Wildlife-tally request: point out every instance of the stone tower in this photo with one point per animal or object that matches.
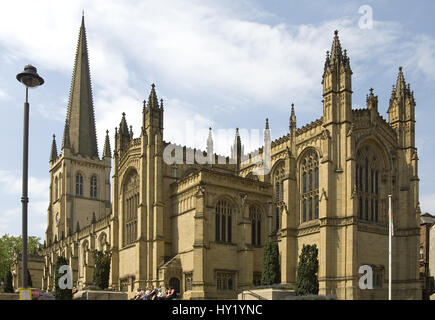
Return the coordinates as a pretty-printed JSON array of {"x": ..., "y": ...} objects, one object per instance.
[{"x": 79, "y": 179}]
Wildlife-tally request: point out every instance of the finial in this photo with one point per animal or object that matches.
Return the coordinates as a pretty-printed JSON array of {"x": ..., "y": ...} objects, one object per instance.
[
  {"x": 83, "y": 13},
  {"x": 153, "y": 85},
  {"x": 400, "y": 69},
  {"x": 267, "y": 123},
  {"x": 107, "y": 132},
  {"x": 161, "y": 103},
  {"x": 371, "y": 91},
  {"x": 209, "y": 128},
  {"x": 54, "y": 136},
  {"x": 336, "y": 32},
  {"x": 123, "y": 114}
]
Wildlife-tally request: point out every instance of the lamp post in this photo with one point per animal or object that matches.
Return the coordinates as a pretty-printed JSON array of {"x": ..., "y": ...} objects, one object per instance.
[{"x": 30, "y": 78}]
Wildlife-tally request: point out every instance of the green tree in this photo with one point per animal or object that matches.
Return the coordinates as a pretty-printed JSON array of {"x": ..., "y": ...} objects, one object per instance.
[
  {"x": 8, "y": 287},
  {"x": 271, "y": 270},
  {"x": 102, "y": 268},
  {"x": 306, "y": 278},
  {"x": 61, "y": 294},
  {"x": 9, "y": 244}
]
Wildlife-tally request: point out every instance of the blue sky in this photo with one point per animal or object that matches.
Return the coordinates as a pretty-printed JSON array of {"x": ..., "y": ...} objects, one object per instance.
[{"x": 215, "y": 63}]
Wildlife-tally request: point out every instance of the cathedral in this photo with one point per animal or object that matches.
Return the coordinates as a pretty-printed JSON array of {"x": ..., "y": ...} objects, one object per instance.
[{"x": 199, "y": 222}]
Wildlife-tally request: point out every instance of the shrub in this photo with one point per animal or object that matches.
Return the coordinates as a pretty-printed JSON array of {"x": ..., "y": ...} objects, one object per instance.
[
  {"x": 306, "y": 278},
  {"x": 102, "y": 268},
  {"x": 271, "y": 270}
]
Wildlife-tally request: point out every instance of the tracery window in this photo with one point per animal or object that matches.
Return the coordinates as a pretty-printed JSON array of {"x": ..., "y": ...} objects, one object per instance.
[
  {"x": 255, "y": 216},
  {"x": 56, "y": 189},
  {"x": 310, "y": 186},
  {"x": 367, "y": 184},
  {"x": 277, "y": 181},
  {"x": 131, "y": 203},
  {"x": 79, "y": 184},
  {"x": 225, "y": 281},
  {"x": 93, "y": 187},
  {"x": 223, "y": 223}
]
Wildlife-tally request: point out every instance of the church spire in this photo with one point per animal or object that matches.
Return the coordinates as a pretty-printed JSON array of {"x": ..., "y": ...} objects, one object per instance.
[
  {"x": 53, "y": 154},
  {"x": 106, "y": 150},
  {"x": 80, "y": 117},
  {"x": 153, "y": 102},
  {"x": 66, "y": 142},
  {"x": 336, "y": 52}
]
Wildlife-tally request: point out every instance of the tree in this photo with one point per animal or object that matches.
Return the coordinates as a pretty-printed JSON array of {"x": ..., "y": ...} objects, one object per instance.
[
  {"x": 29, "y": 279},
  {"x": 9, "y": 244},
  {"x": 8, "y": 287},
  {"x": 306, "y": 278},
  {"x": 271, "y": 270},
  {"x": 102, "y": 268},
  {"x": 61, "y": 294}
]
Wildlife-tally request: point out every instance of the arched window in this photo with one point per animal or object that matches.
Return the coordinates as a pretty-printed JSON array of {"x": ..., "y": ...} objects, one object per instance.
[
  {"x": 277, "y": 180},
  {"x": 367, "y": 182},
  {"x": 224, "y": 211},
  {"x": 79, "y": 184},
  {"x": 309, "y": 168},
  {"x": 255, "y": 216},
  {"x": 130, "y": 203},
  {"x": 93, "y": 187},
  {"x": 56, "y": 189}
]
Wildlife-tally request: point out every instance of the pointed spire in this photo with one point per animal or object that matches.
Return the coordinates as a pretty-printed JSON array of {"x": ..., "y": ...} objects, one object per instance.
[
  {"x": 80, "y": 115},
  {"x": 123, "y": 127},
  {"x": 153, "y": 103},
  {"x": 107, "y": 153},
  {"x": 400, "y": 83},
  {"x": 210, "y": 146},
  {"x": 292, "y": 117},
  {"x": 66, "y": 142},
  {"x": 53, "y": 154},
  {"x": 336, "y": 53}
]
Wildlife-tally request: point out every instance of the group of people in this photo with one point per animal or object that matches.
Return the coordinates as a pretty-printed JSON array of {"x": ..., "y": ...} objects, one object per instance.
[{"x": 152, "y": 293}]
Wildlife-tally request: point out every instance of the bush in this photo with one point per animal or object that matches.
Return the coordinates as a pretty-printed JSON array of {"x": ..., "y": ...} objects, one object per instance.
[
  {"x": 306, "y": 278},
  {"x": 8, "y": 287},
  {"x": 102, "y": 268},
  {"x": 271, "y": 270},
  {"x": 61, "y": 294}
]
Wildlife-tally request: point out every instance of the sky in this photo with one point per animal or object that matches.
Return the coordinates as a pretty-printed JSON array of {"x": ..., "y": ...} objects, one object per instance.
[{"x": 220, "y": 64}]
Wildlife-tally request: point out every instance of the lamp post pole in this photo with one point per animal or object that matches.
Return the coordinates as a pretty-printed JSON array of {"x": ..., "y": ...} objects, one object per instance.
[{"x": 30, "y": 78}]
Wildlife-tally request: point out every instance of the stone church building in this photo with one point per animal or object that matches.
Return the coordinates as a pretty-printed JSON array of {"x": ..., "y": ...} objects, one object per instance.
[{"x": 200, "y": 226}]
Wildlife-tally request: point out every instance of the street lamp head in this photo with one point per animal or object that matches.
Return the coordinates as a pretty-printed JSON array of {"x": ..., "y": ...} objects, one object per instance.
[{"x": 29, "y": 77}]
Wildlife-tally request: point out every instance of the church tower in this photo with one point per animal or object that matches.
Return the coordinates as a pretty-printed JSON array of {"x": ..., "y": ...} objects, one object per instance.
[{"x": 79, "y": 179}]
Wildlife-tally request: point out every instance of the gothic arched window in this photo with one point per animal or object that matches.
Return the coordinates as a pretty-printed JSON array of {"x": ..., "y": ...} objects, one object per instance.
[
  {"x": 130, "y": 203},
  {"x": 224, "y": 211},
  {"x": 309, "y": 168},
  {"x": 255, "y": 216},
  {"x": 93, "y": 187},
  {"x": 79, "y": 184},
  {"x": 367, "y": 184},
  {"x": 277, "y": 182},
  {"x": 56, "y": 189}
]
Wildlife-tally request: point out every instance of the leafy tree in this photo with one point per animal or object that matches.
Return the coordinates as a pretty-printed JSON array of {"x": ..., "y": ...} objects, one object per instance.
[
  {"x": 61, "y": 294},
  {"x": 9, "y": 244},
  {"x": 8, "y": 287},
  {"x": 102, "y": 268},
  {"x": 306, "y": 278},
  {"x": 271, "y": 269}
]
